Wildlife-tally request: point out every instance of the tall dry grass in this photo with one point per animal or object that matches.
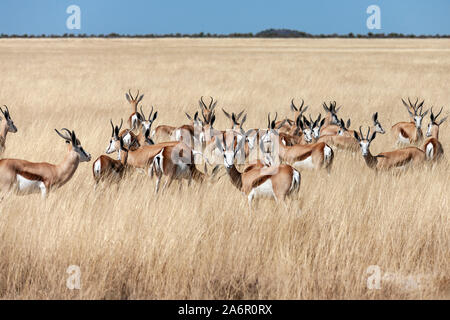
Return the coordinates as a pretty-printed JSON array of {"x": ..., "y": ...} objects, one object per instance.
[{"x": 202, "y": 242}]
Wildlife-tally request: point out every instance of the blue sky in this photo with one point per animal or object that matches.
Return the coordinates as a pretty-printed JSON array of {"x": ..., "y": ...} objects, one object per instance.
[{"x": 172, "y": 16}]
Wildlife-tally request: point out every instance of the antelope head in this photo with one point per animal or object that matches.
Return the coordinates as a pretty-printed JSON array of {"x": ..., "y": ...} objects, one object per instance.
[
  {"x": 306, "y": 127},
  {"x": 270, "y": 137},
  {"x": 417, "y": 116},
  {"x": 147, "y": 123},
  {"x": 236, "y": 118},
  {"x": 316, "y": 126},
  {"x": 207, "y": 110},
  {"x": 332, "y": 112},
  {"x": 74, "y": 144},
  {"x": 9, "y": 122},
  {"x": 343, "y": 127},
  {"x": 298, "y": 110},
  {"x": 434, "y": 123},
  {"x": 115, "y": 140},
  {"x": 364, "y": 142},
  {"x": 377, "y": 124},
  {"x": 229, "y": 150}
]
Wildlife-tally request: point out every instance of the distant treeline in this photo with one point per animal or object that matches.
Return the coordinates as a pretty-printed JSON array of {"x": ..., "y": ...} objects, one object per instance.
[{"x": 269, "y": 33}]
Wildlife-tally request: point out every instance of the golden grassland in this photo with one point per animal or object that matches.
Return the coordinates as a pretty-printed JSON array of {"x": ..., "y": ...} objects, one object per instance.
[{"x": 203, "y": 242}]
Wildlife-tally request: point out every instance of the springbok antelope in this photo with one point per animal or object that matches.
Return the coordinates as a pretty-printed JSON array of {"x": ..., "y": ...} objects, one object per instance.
[
  {"x": 207, "y": 111},
  {"x": 258, "y": 180},
  {"x": 410, "y": 132},
  {"x": 105, "y": 168},
  {"x": 331, "y": 117},
  {"x": 143, "y": 137},
  {"x": 432, "y": 146},
  {"x": 185, "y": 133},
  {"x": 387, "y": 160},
  {"x": 310, "y": 129},
  {"x": 135, "y": 119},
  {"x": 141, "y": 158},
  {"x": 235, "y": 118},
  {"x": 26, "y": 177},
  {"x": 309, "y": 156},
  {"x": 5, "y": 127},
  {"x": 376, "y": 124},
  {"x": 343, "y": 140},
  {"x": 177, "y": 163},
  {"x": 287, "y": 125}
]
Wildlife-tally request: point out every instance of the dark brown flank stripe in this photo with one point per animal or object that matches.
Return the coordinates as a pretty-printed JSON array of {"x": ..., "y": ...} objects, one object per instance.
[
  {"x": 30, "y": 176},
  {"x": 303, "y": 156},
  {"x": 259, "y": 181}
]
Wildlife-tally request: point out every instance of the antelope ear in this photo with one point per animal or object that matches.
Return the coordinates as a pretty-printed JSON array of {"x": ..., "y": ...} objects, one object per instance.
[
  {"x": 127, "y": 97},
  {"x": 408, "y": 108},
  {"x": 140, "y": 98},
  {"x": 375, "y": 116},
  {"x": 233, "y": 117},
  {"x": 213, "y": 118},
  {"x": 373, "y": 136},
  {"x": 243, "y": 120},
  {"x": 272, "y": 125},
  {"x": 325, "y": 107},
  {"x": 356, "y": 136},
  {"x": 425, "y": 113},
  {"x": 188, "y": 116},
  {"x": 341, "y": 123},
  {"x": 300, "y": 123},
  {"x": 442, "y": 120},
  {"x": 322, "y": 122},
  {"x": 74, "y": 138},
  {"x": 281, "y": 123},
  {"x": 196, "y": 116},
  {"x": 154, "y": 116},
  {"x": 226, "y": 114},
  {"x": 306, "y": 122},
  {"x": 304, "y": 109},
  {"x": 348, "y": 123}
]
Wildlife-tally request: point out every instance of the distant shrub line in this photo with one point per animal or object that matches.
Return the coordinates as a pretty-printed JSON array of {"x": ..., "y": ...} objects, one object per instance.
[{"x": 269, "y": 33}]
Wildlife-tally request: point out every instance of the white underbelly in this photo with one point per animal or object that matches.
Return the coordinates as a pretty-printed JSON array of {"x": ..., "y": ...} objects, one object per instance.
[
  {"x": 25, "y": 185},
  {"x": 264, "y": 190},
  {"x": 304, "y": 164},
  {"x": 402, "y": 139}
]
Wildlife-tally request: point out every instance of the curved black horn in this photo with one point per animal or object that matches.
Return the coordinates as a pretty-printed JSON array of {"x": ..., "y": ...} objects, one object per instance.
[
  {"x": 150, "y": 114},
  {"x": 112, "y": 125},
  {"x": 293, "y": 107},
  {"x": 142, "y": 112}
]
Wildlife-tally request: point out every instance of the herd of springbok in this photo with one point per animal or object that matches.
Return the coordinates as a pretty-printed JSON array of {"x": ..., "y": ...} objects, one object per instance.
[{"x": 271, "y": 158}]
